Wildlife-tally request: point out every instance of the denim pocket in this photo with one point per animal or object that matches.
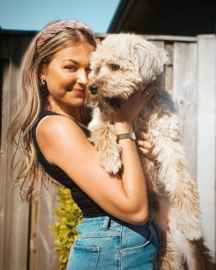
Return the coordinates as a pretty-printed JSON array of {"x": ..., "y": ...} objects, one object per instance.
[
  {"x": 142, "y": 257},
  {"x": 132, "y": 249},
  {"x": 83, "y": 257},
  {"x": 92, "y": 250}
]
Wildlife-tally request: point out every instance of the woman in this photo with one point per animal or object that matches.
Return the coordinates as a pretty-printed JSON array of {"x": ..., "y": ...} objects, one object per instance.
[{"x": 117, "y": 232}]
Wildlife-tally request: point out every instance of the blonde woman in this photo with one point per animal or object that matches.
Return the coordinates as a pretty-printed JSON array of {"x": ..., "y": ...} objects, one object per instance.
[{"x": 117, "y": 232}]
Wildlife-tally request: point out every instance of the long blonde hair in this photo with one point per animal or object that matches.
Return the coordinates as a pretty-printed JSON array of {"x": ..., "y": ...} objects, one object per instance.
[{"x": 31, "y": 177}]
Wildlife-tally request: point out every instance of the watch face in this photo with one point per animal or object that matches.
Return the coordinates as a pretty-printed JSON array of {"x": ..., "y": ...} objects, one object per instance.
[
  {"x": 133, "y": 136},
  {"x": 129, "y": 135}
]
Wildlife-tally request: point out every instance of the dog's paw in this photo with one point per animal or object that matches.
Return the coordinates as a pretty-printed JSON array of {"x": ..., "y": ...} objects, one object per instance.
[{"x": 111, "y": 163}]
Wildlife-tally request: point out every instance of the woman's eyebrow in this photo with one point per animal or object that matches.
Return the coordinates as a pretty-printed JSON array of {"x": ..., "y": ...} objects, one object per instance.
[{"x": 71, "y": 60}]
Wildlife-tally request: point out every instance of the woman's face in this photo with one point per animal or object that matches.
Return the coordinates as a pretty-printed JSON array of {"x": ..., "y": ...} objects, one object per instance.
[{"x": 67, "y": 74}]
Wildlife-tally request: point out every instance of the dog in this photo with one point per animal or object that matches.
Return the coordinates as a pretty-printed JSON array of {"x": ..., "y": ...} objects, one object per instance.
[{"x": 121, "y": 65}]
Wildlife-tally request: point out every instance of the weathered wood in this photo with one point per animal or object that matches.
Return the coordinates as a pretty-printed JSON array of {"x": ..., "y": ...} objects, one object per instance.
[
  {"x": 14, "y": 211},
  {"x": 206, "y": 133},
  {"x": 184, "y": 96},
  {"x": 3, "y": 164},
  {"x": 46, "y": 256},
  {"x": 33, "y": 235},
  {"x": 159, "y": 37},
  {"x": 169, "y": 50},
  {"x": 159, "y": 44},
  {"x": 169, "y": 79},
  {"x": 169, "y": 69}
]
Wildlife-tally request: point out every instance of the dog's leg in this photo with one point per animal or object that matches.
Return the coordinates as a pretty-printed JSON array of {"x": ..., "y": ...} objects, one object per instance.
[
  {"x": 195, "y": 255},
  {"x": 183, "y": 196},
  {"x": 179, "y": 184},
  {"x": 104, "y": 137},
  {"x": 170, "y": 257},
  {"x": 105, "y": 141},
  {"x": 183, "y": 193},
  {"x": 199, "y": 257},
  {"x": 171, "y": 240}
]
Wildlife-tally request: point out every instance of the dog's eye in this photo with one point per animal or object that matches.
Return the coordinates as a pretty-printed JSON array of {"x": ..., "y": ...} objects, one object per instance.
[{"x": 115, "y": 67}]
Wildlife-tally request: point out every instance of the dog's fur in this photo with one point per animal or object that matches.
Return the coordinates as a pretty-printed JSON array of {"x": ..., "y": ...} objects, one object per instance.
[{"x": 121, "y": 65}]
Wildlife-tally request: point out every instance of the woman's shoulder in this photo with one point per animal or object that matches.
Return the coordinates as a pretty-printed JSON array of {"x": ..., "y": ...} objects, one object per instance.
[
  {"x": 58, "y": 134},
  {"x": 56, "y": 122},
  {"x": 57, "y": 125}
]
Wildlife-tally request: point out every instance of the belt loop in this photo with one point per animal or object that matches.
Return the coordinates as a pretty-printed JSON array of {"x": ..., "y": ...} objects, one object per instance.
[
  {"x": 79, "y": 220},
  {"x": 106, "y": 223}
]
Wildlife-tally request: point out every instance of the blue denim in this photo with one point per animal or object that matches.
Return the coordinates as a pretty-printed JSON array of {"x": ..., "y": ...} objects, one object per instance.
[{"x": 107, "y": 244}]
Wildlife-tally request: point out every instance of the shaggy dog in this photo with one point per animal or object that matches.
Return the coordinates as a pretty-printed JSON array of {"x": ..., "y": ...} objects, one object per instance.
[{"x": 121, "y": 65}]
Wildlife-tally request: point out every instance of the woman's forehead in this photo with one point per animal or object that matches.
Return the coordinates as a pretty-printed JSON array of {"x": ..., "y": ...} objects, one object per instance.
[{"x": 79, "y": 52}]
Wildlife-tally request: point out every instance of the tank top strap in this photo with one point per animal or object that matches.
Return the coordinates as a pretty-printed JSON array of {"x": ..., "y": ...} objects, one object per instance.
[{"x": 46, "y": 113}]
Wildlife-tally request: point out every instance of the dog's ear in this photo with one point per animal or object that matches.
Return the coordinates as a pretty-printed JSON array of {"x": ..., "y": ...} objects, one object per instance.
[{"x": 149, "y": 59}]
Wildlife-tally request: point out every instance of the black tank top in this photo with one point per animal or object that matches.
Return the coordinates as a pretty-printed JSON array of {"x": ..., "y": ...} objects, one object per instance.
[{"x": 88, "y": 207}]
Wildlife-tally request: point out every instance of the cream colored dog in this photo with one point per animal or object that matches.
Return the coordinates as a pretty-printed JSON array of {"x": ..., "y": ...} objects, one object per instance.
[{"x": 121, "y": 65}]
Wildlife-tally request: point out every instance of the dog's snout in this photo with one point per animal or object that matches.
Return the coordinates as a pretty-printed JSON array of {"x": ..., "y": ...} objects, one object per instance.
[{"x": 94, "y": 88}]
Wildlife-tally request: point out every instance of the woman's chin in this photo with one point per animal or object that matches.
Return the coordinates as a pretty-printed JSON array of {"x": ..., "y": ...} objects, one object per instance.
[{"x": 79, "y": 101}]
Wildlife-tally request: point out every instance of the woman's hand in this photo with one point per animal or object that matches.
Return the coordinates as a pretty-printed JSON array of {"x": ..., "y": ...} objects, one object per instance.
[
  {"x": 134, "y": 105},
  {"x": 144, "y": 145}
]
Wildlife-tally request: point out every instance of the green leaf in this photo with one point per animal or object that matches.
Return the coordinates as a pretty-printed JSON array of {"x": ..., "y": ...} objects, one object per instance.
[{"x": 65, "y": 229}]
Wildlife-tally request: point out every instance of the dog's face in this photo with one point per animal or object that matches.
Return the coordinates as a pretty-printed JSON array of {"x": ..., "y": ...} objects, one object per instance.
[{"x": 121, "y": 65}]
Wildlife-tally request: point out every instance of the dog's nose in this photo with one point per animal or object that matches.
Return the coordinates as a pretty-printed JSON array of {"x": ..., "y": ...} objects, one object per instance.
[{"x": 94, "y": 88}]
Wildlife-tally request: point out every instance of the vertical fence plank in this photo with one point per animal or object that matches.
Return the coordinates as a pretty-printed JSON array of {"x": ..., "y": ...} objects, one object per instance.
[
  {"x": 169, "y": 79},
  {"x": 206, "y": 134},
  {"x": 3, "y": 162},
  {"x": 46, "y": 257},
  {"x": 169, "y": 69},
  {"x": 33, "y": 234},
  {"x": 15, "y": 211},
  {"x": 184, "y": 96}
]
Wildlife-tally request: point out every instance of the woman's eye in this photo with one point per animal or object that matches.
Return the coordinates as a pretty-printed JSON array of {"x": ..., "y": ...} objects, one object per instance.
[
  {"x": 70, "y": 67},
  {"x": 115, "y": 67},
  {"x": 88, "y": 69}
]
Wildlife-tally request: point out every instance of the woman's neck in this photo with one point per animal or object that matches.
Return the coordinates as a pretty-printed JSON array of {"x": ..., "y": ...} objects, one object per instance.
[{"x": 74, "y": 112}]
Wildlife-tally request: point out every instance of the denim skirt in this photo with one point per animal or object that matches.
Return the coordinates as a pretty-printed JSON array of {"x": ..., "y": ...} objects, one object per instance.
[{"x": 110, "y": 244}]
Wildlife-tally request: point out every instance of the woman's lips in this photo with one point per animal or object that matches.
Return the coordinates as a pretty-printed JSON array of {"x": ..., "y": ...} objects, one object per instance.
[{"x": 78, "y": 91}]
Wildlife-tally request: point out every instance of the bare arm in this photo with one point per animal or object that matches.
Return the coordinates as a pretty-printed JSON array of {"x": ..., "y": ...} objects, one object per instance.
[{"x": 64, "y": 144}]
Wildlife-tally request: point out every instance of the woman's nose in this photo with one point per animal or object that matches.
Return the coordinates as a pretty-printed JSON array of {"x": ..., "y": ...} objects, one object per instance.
[{"x": 82, "y": 76}]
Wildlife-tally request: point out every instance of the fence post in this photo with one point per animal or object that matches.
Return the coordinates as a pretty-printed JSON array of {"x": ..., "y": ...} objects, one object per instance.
[{"x": 206, "y": 133}]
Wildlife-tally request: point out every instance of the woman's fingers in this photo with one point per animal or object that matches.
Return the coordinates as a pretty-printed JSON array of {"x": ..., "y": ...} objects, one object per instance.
[
  {"x": 146, "y": 153},
  {"x": 149, "y": 91},
  {"x": 144, "y": 145},
  {"x": 136, "y": 102}
]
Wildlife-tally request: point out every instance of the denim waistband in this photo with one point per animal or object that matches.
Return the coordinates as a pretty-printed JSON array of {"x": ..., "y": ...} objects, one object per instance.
[
  {"x": 104, "y": 221},
  {"x": 107, "y": 221}
]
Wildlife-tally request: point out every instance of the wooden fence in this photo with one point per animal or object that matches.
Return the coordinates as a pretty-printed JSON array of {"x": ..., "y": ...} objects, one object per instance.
[{"x": 25, "y": 239}]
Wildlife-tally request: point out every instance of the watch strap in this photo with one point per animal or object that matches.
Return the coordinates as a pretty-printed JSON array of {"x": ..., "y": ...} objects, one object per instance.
[{"x": 129, "y": 135}]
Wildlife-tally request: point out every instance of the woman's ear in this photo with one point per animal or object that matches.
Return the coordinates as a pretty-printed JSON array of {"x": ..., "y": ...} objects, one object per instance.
[
  {"x": 150, "y": 59},
  {"x": 42, "y": 72}
]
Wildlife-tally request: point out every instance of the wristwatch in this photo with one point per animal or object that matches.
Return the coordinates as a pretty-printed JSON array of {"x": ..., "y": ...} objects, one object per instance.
[{"x": 129, "y": 135}]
